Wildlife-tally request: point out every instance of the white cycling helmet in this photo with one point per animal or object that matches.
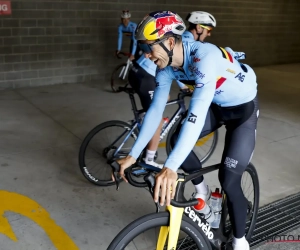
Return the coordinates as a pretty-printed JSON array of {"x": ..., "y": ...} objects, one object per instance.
[
  {"x": 125, "y": 14},
  {"x": 201, "y": 17}
]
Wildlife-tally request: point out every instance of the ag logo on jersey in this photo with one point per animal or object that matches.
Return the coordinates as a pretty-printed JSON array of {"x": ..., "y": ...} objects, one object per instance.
[
  {"x": 192, "y": 118},
  {"x": 240, "y": 77}
]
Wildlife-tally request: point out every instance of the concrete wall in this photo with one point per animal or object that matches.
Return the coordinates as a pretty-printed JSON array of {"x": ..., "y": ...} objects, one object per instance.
[{"x": 66, "y": 41}]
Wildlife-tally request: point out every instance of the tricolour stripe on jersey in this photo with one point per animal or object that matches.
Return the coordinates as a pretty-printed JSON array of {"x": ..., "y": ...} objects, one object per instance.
[
  {"x": 226, "y": 54},
  {"x": 220, "y": 81}
]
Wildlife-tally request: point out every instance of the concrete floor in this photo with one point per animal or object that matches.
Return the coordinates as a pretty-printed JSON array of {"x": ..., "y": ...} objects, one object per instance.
[{"x": 47, "y": 204}]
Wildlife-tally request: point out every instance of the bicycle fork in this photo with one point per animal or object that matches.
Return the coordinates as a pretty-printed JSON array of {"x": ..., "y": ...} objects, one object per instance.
[{"x": 172, "y": 230}]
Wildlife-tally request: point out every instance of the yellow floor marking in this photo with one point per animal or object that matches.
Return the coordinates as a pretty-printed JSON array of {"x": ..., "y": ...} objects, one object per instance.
[
  {"x": 199, "y": 143},
  {"x": 25, "y": 206}
]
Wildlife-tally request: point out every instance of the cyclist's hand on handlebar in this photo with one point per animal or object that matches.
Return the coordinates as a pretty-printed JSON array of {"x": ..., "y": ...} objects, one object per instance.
[
  {"x": 166, "y": 182},
  {"x": 125, "y": 163},
  {"x": 131, "y": 57}
]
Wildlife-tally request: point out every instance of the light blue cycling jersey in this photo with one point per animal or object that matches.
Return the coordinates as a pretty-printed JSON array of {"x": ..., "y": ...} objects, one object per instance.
[
  {"x": 129, "y": 31},
  {"x": 150, "y": 67},
  {"x": 235, "y": 54},
  {"x": 218, "y": 78},
  {"x": 147, "y": 65},
  {"x": 187, "y": 36}
]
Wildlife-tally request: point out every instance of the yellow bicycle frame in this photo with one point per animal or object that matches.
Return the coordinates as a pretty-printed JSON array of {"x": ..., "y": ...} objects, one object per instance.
[{"x": 172, "y": 230}]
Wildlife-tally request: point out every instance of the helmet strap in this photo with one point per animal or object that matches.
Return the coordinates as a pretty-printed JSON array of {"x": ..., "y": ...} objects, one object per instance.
[
  {"x": 199, "y": 34},
  {"x": 169, "y": 52}
]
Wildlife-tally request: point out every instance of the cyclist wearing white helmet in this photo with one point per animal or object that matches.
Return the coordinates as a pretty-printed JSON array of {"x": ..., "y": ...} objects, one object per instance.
[
  {"x": 128, "y": 28},
  {"x": 201, "y": 24},
  {"x": 225, "y": 93}
]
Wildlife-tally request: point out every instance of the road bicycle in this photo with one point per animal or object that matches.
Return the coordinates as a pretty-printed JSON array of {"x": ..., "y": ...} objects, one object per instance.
[
  {"x": 180, "y": 226},
  {"x": 114, "y": 139},
  {"x": 119, "y": 76}
]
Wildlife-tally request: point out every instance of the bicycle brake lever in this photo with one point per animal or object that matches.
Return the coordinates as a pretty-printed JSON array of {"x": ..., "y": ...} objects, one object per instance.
[
  {"x": 157, "y": 207},
  {"x": 150, "y": 180},
  {"x": 116, "y": 168}
]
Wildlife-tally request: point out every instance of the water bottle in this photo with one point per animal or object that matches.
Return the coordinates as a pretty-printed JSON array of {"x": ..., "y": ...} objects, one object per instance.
[
  {"x": 216, "y": 204},
  {"x": 166, "y": 121},
  {"x": 203, "y": 208}
]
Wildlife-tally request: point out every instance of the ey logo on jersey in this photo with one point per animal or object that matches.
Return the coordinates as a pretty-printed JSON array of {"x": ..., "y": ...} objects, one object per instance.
[{"x": 192, "y": 118}]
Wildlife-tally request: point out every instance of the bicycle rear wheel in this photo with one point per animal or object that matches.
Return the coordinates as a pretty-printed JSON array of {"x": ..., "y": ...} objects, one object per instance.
[
  {"x": 203, "y": 148},
  {"x": 117, "y": 80},
  {"x": 142, "y": 234},
  {"x": 250, "y": 187},
  {"x": 99, "y": 146}
]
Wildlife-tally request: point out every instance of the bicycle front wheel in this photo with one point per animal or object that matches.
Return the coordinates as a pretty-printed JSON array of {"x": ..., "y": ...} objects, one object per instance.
[
  {"x": 203, "y": 148},
  {"x": 119, "y": 77},
  {"x": 142, "y": 234},
  {"x": 100, "y": 145}
]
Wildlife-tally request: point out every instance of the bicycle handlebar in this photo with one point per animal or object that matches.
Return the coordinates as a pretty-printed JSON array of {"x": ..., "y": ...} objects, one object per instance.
[{"x": 179, "y": 200}]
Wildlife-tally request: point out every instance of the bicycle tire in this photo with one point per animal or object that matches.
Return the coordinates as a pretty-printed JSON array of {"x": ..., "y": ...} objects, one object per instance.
[
  {"x": 204, "y": 158},
  {"x": 85, "y": 143},
  {"x": 254, "y": 212},
  {"x": 153, "y": 220},
  {"x": 253, "y": 173},
  {"x": 114, "y": 76}
]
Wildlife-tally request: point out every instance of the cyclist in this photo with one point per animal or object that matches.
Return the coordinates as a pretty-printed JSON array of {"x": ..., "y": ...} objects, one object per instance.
[
  {"x": 201, "y": 24},
  {"x": 225, "y": 92},
  {"x": 128, "y": 28},
  {"x": 200, "y": 27},
  {"x": 142, "y": 78}
]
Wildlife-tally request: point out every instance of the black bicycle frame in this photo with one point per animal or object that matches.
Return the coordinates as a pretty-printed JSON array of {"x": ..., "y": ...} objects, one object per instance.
[
  {"x": 137, "y": 118},
  {"x": 178, "y": 114}
]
